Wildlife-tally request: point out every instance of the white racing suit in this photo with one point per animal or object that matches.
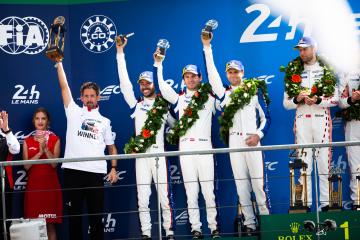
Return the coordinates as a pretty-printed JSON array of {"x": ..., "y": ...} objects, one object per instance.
[
  {"x": 313, "y": 125},
  {"x": 349, "y": 83},
  {"x": 195, "y": 168},
  {"x": 247, "y": 167},
  {"x": 146, "y": 167}
]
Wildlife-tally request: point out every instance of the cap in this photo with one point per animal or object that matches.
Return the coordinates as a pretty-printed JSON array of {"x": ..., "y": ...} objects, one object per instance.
[
  {"x": 306, "y": 42},
  {"x": 191, "y": 69},
  {"x": 147, "y": 75},
  {"x": 234, "y": 64}
]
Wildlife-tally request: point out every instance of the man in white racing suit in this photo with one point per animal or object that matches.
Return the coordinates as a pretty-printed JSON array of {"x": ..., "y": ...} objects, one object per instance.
[
  {"x": 247, "y": 167},
  {"x": 194, "y": 168},
  {"x": 313, "y": 121},
  {"x": 350, "y": 97},
  {"x": 146, "y": 169}
]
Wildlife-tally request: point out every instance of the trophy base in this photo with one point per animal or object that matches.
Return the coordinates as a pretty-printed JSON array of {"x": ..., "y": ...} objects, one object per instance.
[
  {"x": 205, "y": 34},
  {"x": 299, "y": 209},
  {"x": 160, "y": 56},
  {"x": 335, "y": 209},
  {"x": 356, "y": 207},
  {"x": 55, "y": 54}
]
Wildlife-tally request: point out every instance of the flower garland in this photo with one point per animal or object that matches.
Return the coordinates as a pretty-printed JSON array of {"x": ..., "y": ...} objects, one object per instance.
[
  {"x": 239, "y": 98},
  {"x": 190, "y": 114},
  {"x": 352, "y": 112},
  {"x": 154, "y": 121},
  {"x": 324, "y": 87}
]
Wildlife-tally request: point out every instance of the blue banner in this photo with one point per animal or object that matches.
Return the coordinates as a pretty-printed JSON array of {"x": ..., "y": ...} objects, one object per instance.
[{"x": 248, "y": 31}]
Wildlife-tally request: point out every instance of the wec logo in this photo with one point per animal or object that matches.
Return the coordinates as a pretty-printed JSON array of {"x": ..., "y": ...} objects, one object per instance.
[
  {"x": 106, "y": 93},
  {"x": 182, "y": 218},
  {"x": 20, "y": 136},
  {"x": 27, "y": 35}
]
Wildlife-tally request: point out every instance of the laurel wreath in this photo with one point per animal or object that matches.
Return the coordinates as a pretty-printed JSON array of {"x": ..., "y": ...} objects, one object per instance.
[
  {"x": 190, "y": 114},
  {"x": 324, "y": 87},
  {"x": 352, "y": 112},
  {"x": 239, "y": 98},
  {"x": 154, "y": 121}
]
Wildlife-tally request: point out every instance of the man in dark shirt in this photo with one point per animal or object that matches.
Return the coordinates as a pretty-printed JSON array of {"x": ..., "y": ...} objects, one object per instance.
[{"x": 8, "y": 145}]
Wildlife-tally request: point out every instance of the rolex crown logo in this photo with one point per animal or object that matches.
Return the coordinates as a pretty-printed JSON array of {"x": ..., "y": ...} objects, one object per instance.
[{"x": 294, "y": 227}]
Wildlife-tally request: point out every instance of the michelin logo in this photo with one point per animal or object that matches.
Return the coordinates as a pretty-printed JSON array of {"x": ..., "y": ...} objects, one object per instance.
[
  {"x": 97, "y": 33},
  {"x": 27, "y": 35}
]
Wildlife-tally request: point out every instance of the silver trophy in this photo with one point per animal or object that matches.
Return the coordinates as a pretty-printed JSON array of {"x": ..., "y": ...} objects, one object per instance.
[
  {"x": 121, "y": 38},
  {"x": 163, "y": 45},
  {"x": 210, "y": 26}
]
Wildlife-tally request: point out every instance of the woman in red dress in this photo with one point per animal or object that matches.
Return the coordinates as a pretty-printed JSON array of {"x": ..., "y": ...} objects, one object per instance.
[{"x": 43, "y": 196}]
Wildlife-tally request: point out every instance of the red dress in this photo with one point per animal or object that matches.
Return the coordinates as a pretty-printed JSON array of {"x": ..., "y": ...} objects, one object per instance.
[{"x": 43, "y": 196}]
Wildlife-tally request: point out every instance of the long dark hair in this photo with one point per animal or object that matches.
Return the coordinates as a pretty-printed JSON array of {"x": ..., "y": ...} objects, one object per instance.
[{"x": 44, "y": 111}]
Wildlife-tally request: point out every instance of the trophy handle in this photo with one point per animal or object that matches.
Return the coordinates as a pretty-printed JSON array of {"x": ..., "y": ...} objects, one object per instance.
[
  {"x": 331, "y": 194},
  {"x": 304, "y": 175},
  {"x": 292, "y": 180},
  {"x": 49, "y": 43},
  {"x": 63, "y": 42}
]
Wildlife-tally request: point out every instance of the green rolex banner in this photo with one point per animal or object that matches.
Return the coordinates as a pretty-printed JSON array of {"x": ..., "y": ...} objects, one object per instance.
[
  {"x": 58, "y": 2},
  {"x": 290, "y": 226}
]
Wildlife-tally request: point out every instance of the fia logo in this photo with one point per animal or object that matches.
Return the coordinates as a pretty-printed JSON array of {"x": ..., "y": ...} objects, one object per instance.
[
  {"x": 249, "y": 34},
  {"x": 97, "y": 33},
  {"x": 27, "y": 35},
  {"x": 25, "y": 96},
  {"x": 109, "y": 223},
  {"x": 106, "y": 93},
  {"x": 21, "y": 180}
]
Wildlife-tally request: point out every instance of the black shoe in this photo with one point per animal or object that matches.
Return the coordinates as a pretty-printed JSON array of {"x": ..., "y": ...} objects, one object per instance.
[
  {"x": 325, "y": 208},
  {"x": 170, "y": 237},
  {"x": 249, "y": 232},
  {"x": 197, "y": 235},
  {"x": 215, "y": 234},
  {"x": 145, "y": 237}
]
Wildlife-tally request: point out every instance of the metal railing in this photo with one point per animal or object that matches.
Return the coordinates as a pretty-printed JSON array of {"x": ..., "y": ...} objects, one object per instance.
[{"x": 170, "y": 154}]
